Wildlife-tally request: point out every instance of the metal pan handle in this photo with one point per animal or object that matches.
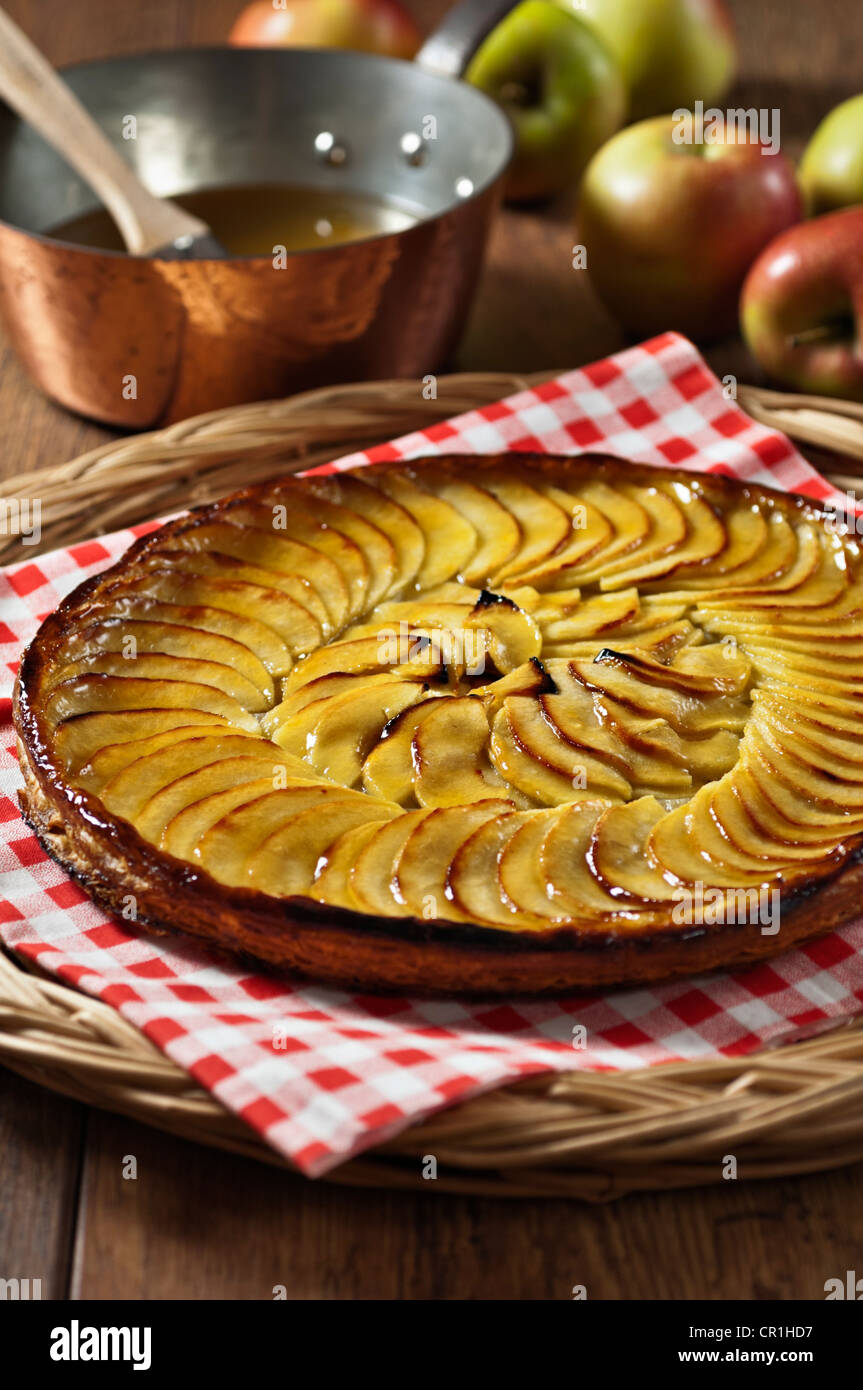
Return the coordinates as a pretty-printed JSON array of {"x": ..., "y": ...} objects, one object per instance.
[{"x": 452, "y": 45}]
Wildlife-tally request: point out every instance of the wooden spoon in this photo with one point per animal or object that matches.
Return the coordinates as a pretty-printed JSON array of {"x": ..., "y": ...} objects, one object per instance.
[{"x": 150, "y": 226}]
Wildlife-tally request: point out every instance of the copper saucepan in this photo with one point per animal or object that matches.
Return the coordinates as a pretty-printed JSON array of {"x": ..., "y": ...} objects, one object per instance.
[{"x": 137, "y": 342}]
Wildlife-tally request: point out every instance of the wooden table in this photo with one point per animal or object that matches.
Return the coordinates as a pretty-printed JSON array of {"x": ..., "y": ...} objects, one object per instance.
[{"x": 196, "y": 1224}]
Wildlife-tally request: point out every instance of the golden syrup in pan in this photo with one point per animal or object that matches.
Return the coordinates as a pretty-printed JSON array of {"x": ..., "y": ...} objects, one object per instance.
[{"x": 255, "y": 220}]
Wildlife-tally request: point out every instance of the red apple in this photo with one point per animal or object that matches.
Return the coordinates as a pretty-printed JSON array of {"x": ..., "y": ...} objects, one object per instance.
[
  {"x": 370, "y": 26},
  {"x": 671, "y": 226},
  {"x": 801, "y": 311}
]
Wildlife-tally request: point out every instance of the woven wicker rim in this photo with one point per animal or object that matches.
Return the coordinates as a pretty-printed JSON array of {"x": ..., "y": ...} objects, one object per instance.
[{"x": 579, "y": 1134}]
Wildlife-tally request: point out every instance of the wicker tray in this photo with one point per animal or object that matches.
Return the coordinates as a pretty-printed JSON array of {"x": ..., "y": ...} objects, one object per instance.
[{"x": 590, "y": 1135}]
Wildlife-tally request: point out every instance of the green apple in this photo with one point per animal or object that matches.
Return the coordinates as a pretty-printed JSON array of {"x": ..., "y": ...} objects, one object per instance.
[
  {"x": 671, "y": 52},
  {"x": 831, "y": 171},
  {"x": 670, "y": 229},
  {"x": 560, "y": 88}
]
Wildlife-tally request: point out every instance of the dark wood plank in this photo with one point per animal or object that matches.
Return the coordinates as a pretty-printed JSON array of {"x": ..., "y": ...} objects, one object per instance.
[
  {"x": 198, "y": 1224},
  {"x": 41, "y": 1139}
]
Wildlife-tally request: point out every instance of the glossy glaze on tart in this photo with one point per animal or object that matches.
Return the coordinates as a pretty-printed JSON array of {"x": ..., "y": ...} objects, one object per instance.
[{"x": 499, "y": 724}]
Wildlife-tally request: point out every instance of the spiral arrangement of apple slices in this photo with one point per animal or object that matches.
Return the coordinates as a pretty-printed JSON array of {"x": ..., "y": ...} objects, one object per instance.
[{"x": 534, "y": 695}]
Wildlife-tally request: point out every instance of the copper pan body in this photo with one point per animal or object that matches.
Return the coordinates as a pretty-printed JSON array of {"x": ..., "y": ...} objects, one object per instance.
[{"x": 138, "y": 342}]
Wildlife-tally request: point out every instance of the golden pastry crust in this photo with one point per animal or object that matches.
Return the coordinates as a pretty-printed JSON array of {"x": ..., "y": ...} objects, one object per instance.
[{"x": 498, "y": 725}]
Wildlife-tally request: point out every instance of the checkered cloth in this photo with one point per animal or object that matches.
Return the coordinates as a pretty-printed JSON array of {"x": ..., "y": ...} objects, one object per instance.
[{"x": 323, "y": 1074}]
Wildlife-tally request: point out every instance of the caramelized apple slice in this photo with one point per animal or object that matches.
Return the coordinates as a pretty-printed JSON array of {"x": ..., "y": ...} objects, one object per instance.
[
  {"x": 691, "y": 701},
  {"x": 449, "y": 751},
  {"x": 256, "y": 768},
  {"x": 389, "y": 650},
  {"x": 784, "y": 818},
  {"x": 321, "y": 688},
  {"x": 746, "y": 532},
  {"x": 781, "y": 783},
  {"x": 842, "y": 711},
  {"x": 130, "y": 636},
  {"x": 129, "y": 789},
  {"x": 813, "y": 719},
  {"x": 379, "y": 510},
  {"x": 594, "y": 617},
  {"x": 498, "y": 533},
  {"x": 677, "y": 844},
  {"x": 226, "y": 848},
  {"x": 450, "y": 540},
  {"x": 665, "y": 534},
  {"x": 388, "y": 770},
  {"x": 530, "y": 755},
  {"x": 330, "y": 568},
  {"x": 795, "y": 670},
  {"x": 841, "y": 656},
  {"x": 665, "y": 540},
  {"x": 718, "y": 846},
  {"x": 448, "y": 610},
  {"x": 153, "y": 666},
  {"x": 210, "y": 564},
  {"x": 103, "y": 694},
  {"x": 240, "y": 600},
  {"x": 530, "y": 679},
  {"x": 715, "y": 669},
  {"x": 589, "y": 532},
  {"x": 285, "y": 538},
  {"x": 205, "y": 809},
  {"x": 286, "y": 862},
  {"x": 619, "y": 857},
  {"x": 224, "y": 587},
  {"x": 705, "y": 537},
  {"x": 660, "y": 644},
  {"x": 346, "y": 728},
  {"x": 752, "y": 831},
  {"x": 472, "y": 882},
  {"x": 372, "y": 878},
  {"x": 543, "y": 524},
  {"x": 513, "y": 636},
  {"x": 627, "y": 517},
  {"x": 375, "y": 546},
  {"x": 658, "y": 762},
  {"x": 571, "y": 889},
  {"x": 107, "y": 761},
  {"x": 811, "y": 581},
  {"x": 836, "y": 620},
  {"x": 773, "y": 560},
  {"x": 828, "y": 760},
  {"x": 523, "y": 888},
  {"x": 130, "y": 601},
  {"x": 332, "y": 881},
  {"x": 422, "y": 867},
  {"x": 80, "y": 739},
  {"x": 572, "y": 715}
]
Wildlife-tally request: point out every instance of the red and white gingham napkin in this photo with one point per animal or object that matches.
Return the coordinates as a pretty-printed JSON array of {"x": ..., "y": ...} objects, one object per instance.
[{"x": 322, "y": 1074}]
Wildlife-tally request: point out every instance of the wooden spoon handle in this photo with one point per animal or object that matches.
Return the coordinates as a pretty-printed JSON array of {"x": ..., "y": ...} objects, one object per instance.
[{"x": 41, "y": 98}]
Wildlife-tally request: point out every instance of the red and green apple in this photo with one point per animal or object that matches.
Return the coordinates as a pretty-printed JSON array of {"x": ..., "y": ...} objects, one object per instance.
[
  {"x": 670, "y": 228},
  {"x": 801, "y": 311},
  {"x": 369, "y": 26}
]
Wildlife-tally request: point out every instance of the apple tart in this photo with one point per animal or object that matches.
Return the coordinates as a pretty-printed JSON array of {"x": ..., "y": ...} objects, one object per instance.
[{"x": 502, "y": 724}]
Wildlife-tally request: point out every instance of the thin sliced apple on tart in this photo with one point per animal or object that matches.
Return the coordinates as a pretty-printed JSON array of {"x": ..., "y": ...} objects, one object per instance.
[{"x": 464, "y": 724}]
